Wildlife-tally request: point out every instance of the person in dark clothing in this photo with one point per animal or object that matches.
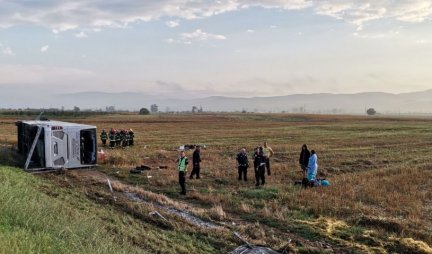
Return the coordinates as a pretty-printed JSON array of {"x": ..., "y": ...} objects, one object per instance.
[
  {"x": 118, "y": 138},
  {"x": 304, "y": 159},
  {"x": 104, "y": 137},
  {"x": 131, "y": 137},
  {"x": 182, "y": 162},
  {"x": 260, "y": 166},
  {"x": 126, "y": 138},
  {"x": 242, "y": 164},
  {"x": 112, "y": 137},
  {"x": 196, "y": 160},
  {"x": 122, "y": 142}
]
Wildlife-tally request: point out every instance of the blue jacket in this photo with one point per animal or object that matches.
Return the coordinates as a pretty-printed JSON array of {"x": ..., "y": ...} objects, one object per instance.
[{"x": 312, "y": 167}]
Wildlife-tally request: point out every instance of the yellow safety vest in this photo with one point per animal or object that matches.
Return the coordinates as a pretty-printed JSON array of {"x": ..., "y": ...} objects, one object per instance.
[{"x": 182, "y": 164}]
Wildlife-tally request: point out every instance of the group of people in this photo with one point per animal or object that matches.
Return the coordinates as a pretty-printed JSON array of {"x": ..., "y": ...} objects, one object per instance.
[
  {"x": 118, "y": 138},
  {"x": 309, "y": 165},
  {"x": 261, "y": 162},
  {"x": 182, "y": 162},
  {"x": 262, "y": 157}
]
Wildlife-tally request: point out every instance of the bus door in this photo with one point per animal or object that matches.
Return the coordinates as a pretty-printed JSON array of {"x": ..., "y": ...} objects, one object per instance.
[{"x": 59, "y": 148}]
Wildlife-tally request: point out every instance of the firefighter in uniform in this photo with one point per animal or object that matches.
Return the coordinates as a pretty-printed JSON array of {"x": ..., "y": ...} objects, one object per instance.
[
  {"x": 112, "y": 138},
  {"x": 104, "y": 137},
  {"x": 118, "y": 138},
  {"x": 182, "y": 162},
  {"x": 126, "y": 138},
  {"x": 242, "y": 164}
]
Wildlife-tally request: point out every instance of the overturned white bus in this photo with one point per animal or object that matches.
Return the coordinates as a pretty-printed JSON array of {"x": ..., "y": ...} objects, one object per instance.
[{"x": 55, "y": 144}]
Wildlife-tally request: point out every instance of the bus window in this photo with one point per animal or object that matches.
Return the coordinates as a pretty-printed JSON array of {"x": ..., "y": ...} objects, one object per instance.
[{"x": 88, "y": 146}]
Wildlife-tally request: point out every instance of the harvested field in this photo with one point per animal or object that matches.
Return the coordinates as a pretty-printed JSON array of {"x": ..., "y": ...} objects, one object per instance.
[{"x": 379, "y": 201}]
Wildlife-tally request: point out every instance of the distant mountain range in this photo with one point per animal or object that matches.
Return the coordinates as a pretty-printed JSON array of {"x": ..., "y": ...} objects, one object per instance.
[{"x": 415, "y": 102}]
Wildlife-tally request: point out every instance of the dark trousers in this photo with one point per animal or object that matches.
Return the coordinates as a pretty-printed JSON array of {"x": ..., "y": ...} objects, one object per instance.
[
  {"x": 260, "y": 175},
  {"x": 112, "y": 143},
  {"x": 242, "y": 171},
  {"x": 304, "y": 169},
  {"x": 131, "y": 143},
  {"x": 103, "y": 141},
  {"x": 195, "y": 171},
  {"x": 182, "y": 182},
  {"x": 267, "y": 162}
]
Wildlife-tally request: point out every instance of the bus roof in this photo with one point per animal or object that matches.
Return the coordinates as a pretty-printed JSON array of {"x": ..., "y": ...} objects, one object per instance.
[{"x": 58, "y": 123}]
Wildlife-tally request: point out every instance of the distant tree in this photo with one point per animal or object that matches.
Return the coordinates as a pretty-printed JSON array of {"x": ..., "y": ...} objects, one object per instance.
[
  {"x": 244, "y": 111},
  {"x": 144, "y": 111},
  {"x": 110, "y": 109},
  {"x": 154, "y": 108},
  {"x": 76, "y": 109},
  {"x": 194, "y": 109},
  {"x": 371, "y": 111}
]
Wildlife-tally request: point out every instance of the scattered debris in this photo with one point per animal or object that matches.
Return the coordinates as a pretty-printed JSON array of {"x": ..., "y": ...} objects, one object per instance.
[
  {"x": 139, "y": 169},
  {"x": 190, "y": 147},
  {"x": 110, "y": 186},
  {"x": 248, "y": 248},
  {"x": 245, "y": 249},
  {"x": 135, "y": 171},
  {"x": 243, "y": 240},
  {"x": 111, "y": 189},
  {"x": 143, "y": 167},
  {"x": 158, "y": 214},
  {"x": 163, "y": 167},
  {"x": 101, "y": 156}
]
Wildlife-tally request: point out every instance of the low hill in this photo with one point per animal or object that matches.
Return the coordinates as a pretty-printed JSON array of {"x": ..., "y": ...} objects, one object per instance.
[{"x": 415, "y": 102}]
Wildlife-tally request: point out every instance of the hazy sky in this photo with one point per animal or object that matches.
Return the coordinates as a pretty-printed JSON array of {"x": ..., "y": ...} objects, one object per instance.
[{"x": 201, "y": 48}]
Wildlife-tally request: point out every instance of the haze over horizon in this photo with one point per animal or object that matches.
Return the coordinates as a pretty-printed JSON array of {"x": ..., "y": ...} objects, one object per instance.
[{"x": 195, "y": 49}]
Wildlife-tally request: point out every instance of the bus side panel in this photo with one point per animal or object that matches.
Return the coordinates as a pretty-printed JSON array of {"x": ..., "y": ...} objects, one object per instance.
[
  {"x": 48, "y": 150},
  {"x": 74, "y": 148}
]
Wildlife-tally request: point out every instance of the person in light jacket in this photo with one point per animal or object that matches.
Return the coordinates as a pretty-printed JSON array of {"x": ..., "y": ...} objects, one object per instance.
[{"x": 312, "y": 168}]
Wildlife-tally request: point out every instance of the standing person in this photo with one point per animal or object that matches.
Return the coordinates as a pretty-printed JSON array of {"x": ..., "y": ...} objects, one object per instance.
[
  {"x": 112, "y": 137},
  {"x": 312, "y": 167},
  {"x": 196, "y": 160},
  {"x": 182, "y": 162},
  {"x": 304, "y": 159},
  {"x": 126, "y": 138},
  {"x": 122, "y": 138},
  {"x": 260, "y": 165},
  {"x": 242, "y": 164},
  {"x": 118, "y": 138},
  {"x": 131, "y": 137},
  {"x": 268, "y": 153},
  {"x": 104, "y": 137}
]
